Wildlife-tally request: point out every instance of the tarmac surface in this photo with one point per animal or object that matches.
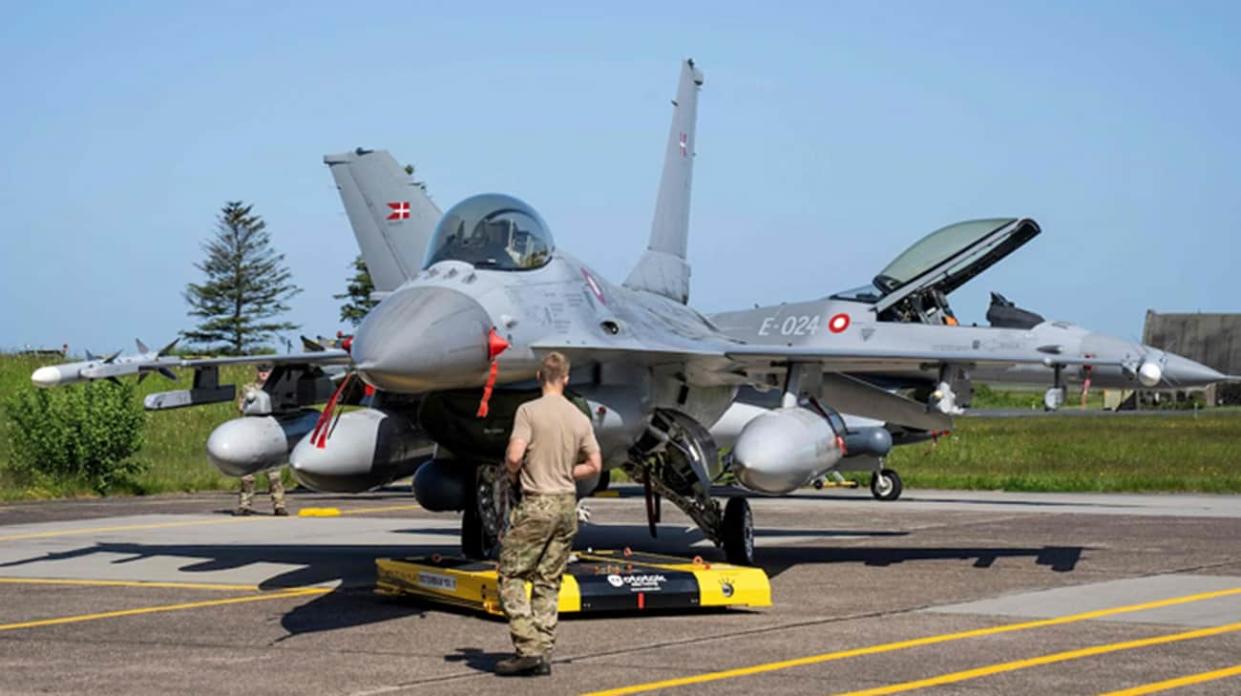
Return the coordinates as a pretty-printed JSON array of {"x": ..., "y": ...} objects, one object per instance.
[{"x": 944, "y": 591}]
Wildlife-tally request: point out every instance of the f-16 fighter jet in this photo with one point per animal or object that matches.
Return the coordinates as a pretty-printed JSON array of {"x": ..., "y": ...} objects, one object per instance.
[{"x": 471, "y": 301}]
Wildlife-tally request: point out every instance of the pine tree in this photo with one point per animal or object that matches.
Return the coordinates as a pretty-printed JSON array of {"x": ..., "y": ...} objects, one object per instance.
[
  {"x": 358, "y": 292},
  {"x": 246, "y": 286}
]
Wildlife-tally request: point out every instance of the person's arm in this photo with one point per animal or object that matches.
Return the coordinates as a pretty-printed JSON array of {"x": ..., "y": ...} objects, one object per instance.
[
  {"x": 589, "y": 468},
  {"x": 593, "y": 463},
  {"x": 515, "y": 455}
]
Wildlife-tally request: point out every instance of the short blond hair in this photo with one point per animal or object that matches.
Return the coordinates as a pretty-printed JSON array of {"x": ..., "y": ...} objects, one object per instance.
[{"x": 555, "y": 367}]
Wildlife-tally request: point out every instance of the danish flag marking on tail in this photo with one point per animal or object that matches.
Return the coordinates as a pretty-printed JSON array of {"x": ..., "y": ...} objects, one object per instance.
[
  {"x": 400, "y": 210},
  {"x": 684, "y": 144}
]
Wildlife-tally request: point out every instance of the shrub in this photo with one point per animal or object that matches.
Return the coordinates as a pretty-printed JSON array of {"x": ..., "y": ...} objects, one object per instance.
[{"x": 82, "y": 434}]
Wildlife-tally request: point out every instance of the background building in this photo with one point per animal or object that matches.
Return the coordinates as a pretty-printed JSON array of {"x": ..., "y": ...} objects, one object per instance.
[{"x": 1211, "y": 339}]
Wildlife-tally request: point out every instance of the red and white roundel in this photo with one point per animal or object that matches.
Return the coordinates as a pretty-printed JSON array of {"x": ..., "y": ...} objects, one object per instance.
[{"x": 838, "y": 323}]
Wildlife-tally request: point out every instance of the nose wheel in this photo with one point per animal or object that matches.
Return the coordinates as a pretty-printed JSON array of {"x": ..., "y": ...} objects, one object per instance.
[{"x": 885, "y": 484}]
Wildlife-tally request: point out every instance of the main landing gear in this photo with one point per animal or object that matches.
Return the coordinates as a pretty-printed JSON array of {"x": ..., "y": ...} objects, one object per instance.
[
  {"x": 886, "y": 485},
  {"x": 676, "y": 460},
  {"x": 737, "y": 531}
]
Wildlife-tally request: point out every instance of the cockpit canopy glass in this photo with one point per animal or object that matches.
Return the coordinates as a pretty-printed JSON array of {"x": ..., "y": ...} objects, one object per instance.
[
  {"x": 934, "y": 249},
  {"x": 866, "y": 293},
  {"x": 492, "y": 231}
]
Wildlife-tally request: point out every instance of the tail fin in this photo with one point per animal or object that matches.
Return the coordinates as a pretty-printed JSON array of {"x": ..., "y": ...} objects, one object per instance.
[
  {"x": 392, "y": 216},
  {"x": 663, "y": 269}
]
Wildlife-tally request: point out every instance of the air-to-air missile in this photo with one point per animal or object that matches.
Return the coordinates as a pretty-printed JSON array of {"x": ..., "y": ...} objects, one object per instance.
[{"x": 144, "y": 362}]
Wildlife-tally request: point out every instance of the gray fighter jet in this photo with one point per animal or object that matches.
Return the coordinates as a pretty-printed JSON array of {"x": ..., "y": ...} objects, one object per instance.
[{"x": 451, "y": 351}]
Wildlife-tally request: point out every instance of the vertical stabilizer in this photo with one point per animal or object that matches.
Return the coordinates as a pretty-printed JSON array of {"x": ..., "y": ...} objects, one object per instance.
[
  {"x": 663, "y": 269},
  {"x": 392, "y": 217}
]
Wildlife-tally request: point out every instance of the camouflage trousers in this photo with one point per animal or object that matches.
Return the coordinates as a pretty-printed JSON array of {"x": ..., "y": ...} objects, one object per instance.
[
  {"x": 535, "y": 549},
  {"x": 275, "y": 486}
]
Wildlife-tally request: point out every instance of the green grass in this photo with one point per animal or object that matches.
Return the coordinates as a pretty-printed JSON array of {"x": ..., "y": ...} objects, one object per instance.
[
  {"x": 174, "y": 455},
  {"x": 1055, "y": 453},
  {"x": 1064, "y": 453},
  {"x": 1030, "y": 399}
]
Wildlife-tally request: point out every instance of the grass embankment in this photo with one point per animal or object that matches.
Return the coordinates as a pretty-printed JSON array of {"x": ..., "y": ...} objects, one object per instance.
[
  {"x": 173, "y": 456},
  {"x": 1181, "y": 452}
]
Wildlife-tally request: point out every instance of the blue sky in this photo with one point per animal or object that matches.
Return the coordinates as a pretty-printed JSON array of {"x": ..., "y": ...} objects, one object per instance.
[{"x": 830, "y": 137}]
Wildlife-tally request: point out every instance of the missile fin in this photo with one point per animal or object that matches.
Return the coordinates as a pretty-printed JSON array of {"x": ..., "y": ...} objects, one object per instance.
[
  {"x": 169, "y": 374},
  {"x": 142, "y": 347},
  {"x": 168, "y": 348}
]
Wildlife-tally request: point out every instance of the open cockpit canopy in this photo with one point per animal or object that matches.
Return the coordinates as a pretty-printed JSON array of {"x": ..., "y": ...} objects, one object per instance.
[{"x": 916, "y": 283}]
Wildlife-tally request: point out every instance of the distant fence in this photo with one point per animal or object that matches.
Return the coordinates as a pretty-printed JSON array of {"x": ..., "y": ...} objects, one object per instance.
[{"x": 1211, "y": 339}]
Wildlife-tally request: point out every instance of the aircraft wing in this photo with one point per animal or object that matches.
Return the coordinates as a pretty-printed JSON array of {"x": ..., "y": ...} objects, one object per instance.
[
  {"x": 331, "y": 356},
  {"x": 722, "y": 356},
  {"x": 750, "y": 354},
  {"x": 116, "y": 366},
  {"x": 719, "y": 362}
]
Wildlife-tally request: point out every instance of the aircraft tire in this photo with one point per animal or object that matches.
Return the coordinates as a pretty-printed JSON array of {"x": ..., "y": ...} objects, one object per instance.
[
  {"x": 886, "y": 485},
  {"x": 738, "y": 532},
  {"x": 475, "y": 543}
]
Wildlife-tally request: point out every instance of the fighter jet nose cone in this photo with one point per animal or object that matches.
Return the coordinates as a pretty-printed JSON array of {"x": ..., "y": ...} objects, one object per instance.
[
  {"x": 422, "y": 339},
  {"x": 1183, "y": 372}
]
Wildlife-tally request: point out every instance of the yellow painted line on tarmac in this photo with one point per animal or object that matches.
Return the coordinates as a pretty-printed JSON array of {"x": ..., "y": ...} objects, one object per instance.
[
  {"x": 1053, "y": 658},
  {"x": 128, "y": 527},
  {"x": 144, "y": 584},
  {"x": 1188, "y": 680},
  {"x": 912, "y": 643},
  {"x": 282, "y": 594},
  {"x": 389, "y": 508},
  {"x": 183, "y": 523}
]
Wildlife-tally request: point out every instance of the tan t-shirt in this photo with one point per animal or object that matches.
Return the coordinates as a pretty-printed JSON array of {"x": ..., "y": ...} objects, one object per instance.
[{"x": 558, "y": 436}]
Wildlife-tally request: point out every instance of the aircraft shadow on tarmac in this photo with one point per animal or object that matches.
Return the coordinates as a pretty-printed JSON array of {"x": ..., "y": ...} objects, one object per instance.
[{"x": 352, "y": 604}]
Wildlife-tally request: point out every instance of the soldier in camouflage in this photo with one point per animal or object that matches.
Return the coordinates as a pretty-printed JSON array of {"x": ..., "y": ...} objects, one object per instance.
[
  {"x": 552, "y": 446},
  {"x": 275, "y": 485}
]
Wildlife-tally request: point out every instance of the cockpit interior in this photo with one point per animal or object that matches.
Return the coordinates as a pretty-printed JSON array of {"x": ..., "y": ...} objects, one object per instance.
[{"x": 494, "y": 232}]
